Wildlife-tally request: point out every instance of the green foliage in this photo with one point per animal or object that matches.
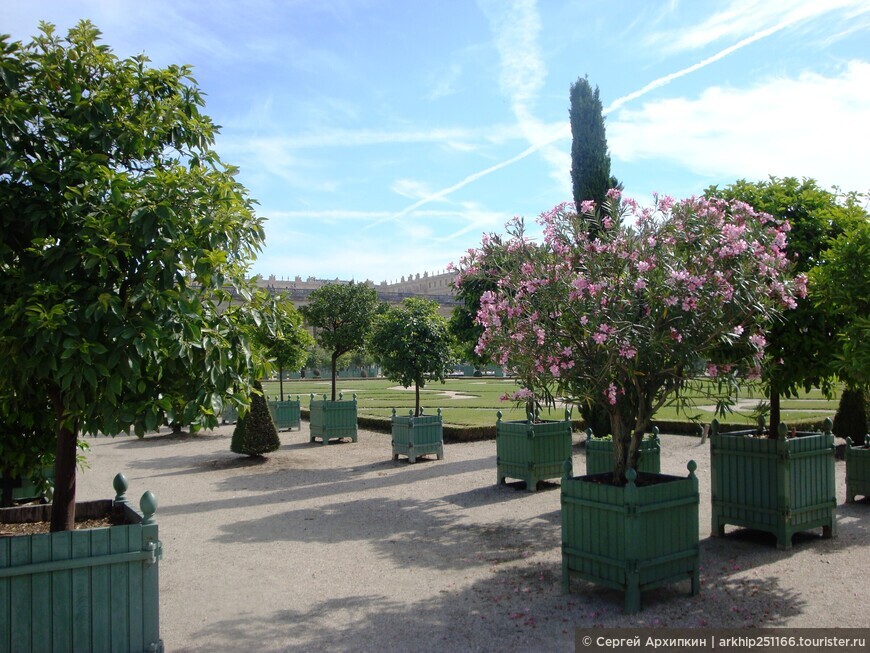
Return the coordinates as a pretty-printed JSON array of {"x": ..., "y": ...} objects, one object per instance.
[
  {"x": 289, "y": 342},
  {"x": 802, "y": 345},
  {"x": 412, "y": 342},
  {"x": 255, "y": 433},
  {"x": 851, "y": 418},
  {"x": 590, "y": 161},
  {"x": 341, "y": 315},
  {"x": 840, "y": 286},
  {"x": 125, "y": 240}
]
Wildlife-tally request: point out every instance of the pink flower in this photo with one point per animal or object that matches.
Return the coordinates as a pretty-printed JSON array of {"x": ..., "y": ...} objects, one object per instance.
[
  {"x": 587, "y": 206},
  {"x": 613, "y": 194}
]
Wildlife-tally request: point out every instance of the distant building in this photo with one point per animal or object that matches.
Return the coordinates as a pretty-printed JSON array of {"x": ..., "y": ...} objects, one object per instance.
[{"x": 437, "y": 287}]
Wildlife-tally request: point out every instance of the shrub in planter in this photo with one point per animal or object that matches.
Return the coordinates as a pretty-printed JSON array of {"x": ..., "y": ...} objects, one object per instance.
[
  {"x": 255, "y": 433},
  {"x": 616, "y": 304},
  {"x": 632, "y": 537},
  {"x": 781, "y": 485},
  {"x": 532, "y": 449},
  {"x": 419, "y": 435},
  {"x": 331, "y": 420}
]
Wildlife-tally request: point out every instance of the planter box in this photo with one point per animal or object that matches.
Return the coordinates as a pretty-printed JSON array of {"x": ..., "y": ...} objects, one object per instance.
[
  {"x": 599, "y": 454},
  {"x": 84, "y": 590},
  {"x": 332, "y": 419},
  {"x": 287, "y": 414},
  {"x": 25, "y": 489},
  {"x": 229, "y": 415},
  {"x": 630, "y": 538},
  {"x": 857, "y": 470},
  {"x": 417, "y": 436},
  {"x": 781, "y": 486},
  {"x": 532, "y": 450}
]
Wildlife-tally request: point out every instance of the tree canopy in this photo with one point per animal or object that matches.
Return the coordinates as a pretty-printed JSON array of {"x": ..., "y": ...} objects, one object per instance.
[
  {"x": 412, "y": 342},
  {"x": 288, "y": 343},
  {"x": 801, "y": 345},
  {"x": 125, "y": 240},
  {"x": 341, "y": 315}
]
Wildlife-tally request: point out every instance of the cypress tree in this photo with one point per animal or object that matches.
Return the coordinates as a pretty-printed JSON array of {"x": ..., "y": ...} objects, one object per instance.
[
  {"x": 590, "y": 180},
  {"x": 255, "y": 433},
  {"x": 590, "y": 161}
]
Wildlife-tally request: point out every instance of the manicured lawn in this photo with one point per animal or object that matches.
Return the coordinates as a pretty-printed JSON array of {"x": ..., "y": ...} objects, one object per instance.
[{"x": 474, "y": 401}]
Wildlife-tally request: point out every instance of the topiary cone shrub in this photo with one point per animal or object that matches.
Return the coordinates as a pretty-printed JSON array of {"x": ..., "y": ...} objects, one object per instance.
[
  {"x": 255, "y": 433},
  {"x": 850, "y": 422}
]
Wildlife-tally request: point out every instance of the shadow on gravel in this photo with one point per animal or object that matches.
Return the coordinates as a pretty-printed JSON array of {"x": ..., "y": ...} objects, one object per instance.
[{"x": 517, "y": 607}]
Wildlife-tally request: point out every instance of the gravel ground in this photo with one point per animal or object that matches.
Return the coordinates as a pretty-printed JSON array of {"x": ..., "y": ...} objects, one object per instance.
[{"x": 339, "y": 548}]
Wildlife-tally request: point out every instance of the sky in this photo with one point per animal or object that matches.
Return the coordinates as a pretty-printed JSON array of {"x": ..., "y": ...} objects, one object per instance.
[{"x": 382, "y": 138}]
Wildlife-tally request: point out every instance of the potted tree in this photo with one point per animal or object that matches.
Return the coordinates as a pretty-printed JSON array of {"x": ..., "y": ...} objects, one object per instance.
[
  {"x": 126, "y": 243},
  {"x": 287, "y": 345},
  {"x": 624, "y": 315},
  {"x": 341, "y": 315},
  {"x": 781, "y": 484},
  {"x": 412, "y": 344}
]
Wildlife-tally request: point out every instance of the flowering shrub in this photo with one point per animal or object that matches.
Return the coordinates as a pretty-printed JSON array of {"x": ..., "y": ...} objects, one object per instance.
[{"x": 626, "y": 317}]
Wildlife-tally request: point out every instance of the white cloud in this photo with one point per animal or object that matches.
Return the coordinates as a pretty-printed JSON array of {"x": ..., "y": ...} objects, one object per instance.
[{"x": 811, "y": 126}]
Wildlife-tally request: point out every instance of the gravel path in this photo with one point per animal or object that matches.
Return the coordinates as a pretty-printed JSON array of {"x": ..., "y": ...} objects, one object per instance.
[{"x": 339, "y": 548}]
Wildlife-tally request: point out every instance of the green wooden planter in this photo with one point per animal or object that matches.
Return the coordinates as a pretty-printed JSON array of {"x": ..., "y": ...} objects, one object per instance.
[
  {"x": 782, "y": 486},
  {"x": 85, "y": 590},
  {"x": 331, "y": 420},
  {"x": 287, "y": 414},
  {"x": 599, "y": 454},
  {"x": 532, "y": 450},
  {"x": 857, "y": 470},
  {"x": 26, "y": 489},
  {"x": 229, "y": 415},
  {"x": 632, "y": 538},
  {"x": 417, "y": 436}
]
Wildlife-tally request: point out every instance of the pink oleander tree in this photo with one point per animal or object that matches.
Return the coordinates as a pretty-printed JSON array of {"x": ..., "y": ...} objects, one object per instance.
[{"x": 627, "y": 317}]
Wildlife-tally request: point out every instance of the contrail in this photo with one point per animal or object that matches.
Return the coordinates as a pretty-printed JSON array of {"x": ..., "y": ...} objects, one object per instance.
[{"x": 566, "y": 129}]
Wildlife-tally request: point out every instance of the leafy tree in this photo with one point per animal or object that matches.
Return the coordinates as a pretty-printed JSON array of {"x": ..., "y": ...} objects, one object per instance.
[
  {"x": 341, "y": 315},
  {"x": 412, "y": 342},
  {"x": 803, "y": 343},
  {"x": 255, "y": 433},
  {"x": 288, "y": 343},
  {"x": 26, "y": 440},
  {"x": 840, "y": 285},
  {"x": 125, "y": 238}
]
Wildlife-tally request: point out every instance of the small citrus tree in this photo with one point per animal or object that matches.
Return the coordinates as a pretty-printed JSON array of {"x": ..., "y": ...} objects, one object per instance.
[
  {"x": 412, "y": 343},
  {"x": 341, "y": 315},
  {"x": 125, "y": 237},
  {"x": 626, "y": 315},
  {"x": 288, "y": 342}
]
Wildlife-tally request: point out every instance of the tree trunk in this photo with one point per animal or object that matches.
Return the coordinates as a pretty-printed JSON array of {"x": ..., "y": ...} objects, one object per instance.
[
  {"x": 775, "y": 412},
  {"x": 620, "y": 434},
  {"x": 281, "y": 380},
  {"x": 8, "y": 483},
  {"x": 63, "y": 505},
  {"x": 416, "y": 400}
]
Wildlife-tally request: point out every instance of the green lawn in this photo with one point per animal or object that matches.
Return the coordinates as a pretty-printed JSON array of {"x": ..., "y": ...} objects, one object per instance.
[{"x": 475, "y": 401}]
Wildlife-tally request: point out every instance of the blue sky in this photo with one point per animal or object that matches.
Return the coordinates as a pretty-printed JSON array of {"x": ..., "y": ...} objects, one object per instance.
[{"x": 382, "y": 137}]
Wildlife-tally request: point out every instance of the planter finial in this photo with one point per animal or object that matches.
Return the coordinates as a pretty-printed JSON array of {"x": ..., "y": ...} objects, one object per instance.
[
  {"x": 120, "y": 484},
  {"x": 692, "y": 466},
  {"x": 498, "y": 416},
  {"x": 828, "y": 425},
  {"x": 148, "y": 504},
  {"x": 568, "y": 468},
  {"x": 783, "y": 430},
  {"x": 714, "y": 427},
  {"x": 631, "y": 476}
]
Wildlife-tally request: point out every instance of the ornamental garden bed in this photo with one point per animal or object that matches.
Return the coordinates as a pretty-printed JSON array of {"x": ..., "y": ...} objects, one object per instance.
[
  {"x": 630, "y": 538},
  {"x": 782, "y": 486},
  {"x": 331, "y": 420},
  {"x": 532, "y": 450},
  {"x": 417, "y": 436},
  {"x": 91, "y": 589}
]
